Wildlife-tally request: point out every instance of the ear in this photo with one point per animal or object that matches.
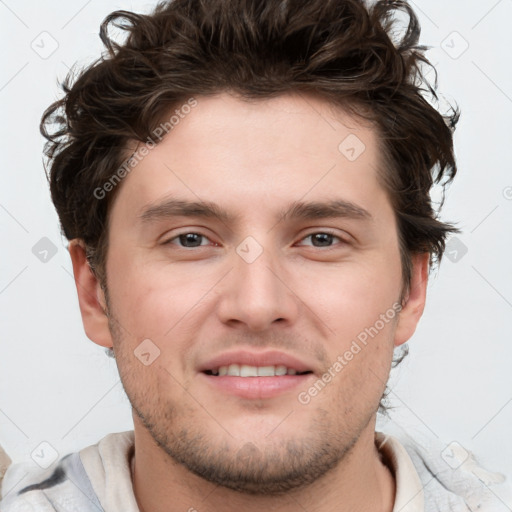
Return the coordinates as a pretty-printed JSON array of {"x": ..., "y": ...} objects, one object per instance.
[
  {"x": 90, "y": 296},
  {"x": 414, "y": 302}
]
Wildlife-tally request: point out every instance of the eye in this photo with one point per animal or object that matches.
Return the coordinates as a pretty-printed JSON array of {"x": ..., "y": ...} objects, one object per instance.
[
  {"x": 322, "y": 239},
  {"x": 188, "y": 240}
]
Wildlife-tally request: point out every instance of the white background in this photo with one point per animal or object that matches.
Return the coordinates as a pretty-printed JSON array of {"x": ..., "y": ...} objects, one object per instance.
[{"x": 456, "y": 384}]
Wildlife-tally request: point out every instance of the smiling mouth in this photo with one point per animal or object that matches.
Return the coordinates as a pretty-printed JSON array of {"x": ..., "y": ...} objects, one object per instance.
[{"x": 244, "y": 370}]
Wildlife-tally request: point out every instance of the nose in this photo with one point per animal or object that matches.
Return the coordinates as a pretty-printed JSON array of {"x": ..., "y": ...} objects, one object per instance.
[{"x": 257, "y": 294}]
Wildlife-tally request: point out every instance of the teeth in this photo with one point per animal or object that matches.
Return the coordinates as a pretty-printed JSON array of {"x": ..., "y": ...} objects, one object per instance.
[
  {"x": 266, "y": 371},
  {"x": 245, "y": 370},
  {"x": 234, "y": 370},
  {"x": 281, "y": 370},
  {"x": 248, "y": 371}
]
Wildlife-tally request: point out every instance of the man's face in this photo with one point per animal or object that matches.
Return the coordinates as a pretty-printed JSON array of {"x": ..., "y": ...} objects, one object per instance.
[{"x": 256, "y": 288}]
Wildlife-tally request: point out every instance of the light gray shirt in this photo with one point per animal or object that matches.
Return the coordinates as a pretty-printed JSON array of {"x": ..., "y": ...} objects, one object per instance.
[{"x": 98, "y": 479}]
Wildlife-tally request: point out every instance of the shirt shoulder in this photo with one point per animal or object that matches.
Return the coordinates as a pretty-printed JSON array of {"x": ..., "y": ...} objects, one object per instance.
[
  {"x": 65, "y": 487},
  {"x": 449, "y": 480},
  {"x": 108, "y": 465}
]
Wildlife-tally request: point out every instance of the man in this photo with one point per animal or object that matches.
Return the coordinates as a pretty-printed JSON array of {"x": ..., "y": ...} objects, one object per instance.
[{"x": 245, "y": 187}]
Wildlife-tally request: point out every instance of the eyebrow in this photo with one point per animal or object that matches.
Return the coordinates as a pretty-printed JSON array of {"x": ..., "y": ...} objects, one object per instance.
[
  {"x": 298, "y": 210},
  {"x": 336, "y": 208}
]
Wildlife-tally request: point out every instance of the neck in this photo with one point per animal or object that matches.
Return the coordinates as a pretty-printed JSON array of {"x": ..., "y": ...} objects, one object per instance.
[{"x": 361, "y": 481}]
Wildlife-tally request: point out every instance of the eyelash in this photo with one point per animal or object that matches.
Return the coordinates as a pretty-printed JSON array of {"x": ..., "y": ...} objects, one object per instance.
[{"x": 323, "y": 232}]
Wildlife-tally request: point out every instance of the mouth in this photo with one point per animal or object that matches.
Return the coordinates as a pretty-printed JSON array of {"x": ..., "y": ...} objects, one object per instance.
[
  {"x": 245, "y": 370},
  {"x": 250, "y": 375}
]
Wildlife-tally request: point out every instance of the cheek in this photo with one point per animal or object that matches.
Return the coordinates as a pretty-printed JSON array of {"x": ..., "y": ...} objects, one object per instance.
[
  {"x": 158, "y": 300},
  {"x": 352, "y": 296},
  {"x": 140, "y": 297},
  {"x": 358, "y": 302}
]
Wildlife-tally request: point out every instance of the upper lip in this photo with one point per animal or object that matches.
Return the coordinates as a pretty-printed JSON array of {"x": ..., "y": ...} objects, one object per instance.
[{"x": 267, "y": 358}]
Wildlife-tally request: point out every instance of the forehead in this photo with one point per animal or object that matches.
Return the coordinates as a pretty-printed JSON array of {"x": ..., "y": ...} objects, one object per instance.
[{"x": 256, "y": 154}]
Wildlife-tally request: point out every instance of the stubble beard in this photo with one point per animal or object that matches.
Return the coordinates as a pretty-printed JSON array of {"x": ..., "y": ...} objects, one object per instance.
[{"x": 264, "y": 467}]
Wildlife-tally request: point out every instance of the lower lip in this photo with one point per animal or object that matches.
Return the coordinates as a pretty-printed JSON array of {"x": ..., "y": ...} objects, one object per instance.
[{"x": 257, "y": 387}]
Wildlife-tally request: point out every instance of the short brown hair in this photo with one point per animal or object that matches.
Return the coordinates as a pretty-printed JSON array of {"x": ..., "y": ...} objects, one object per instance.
[{"x": 340, "y": 50}]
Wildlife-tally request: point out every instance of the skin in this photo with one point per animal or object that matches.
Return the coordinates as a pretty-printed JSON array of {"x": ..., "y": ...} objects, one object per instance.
[{"x": 196, "y": 447}]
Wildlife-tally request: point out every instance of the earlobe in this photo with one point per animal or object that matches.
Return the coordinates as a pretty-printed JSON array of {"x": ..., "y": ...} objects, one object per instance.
[
  {"x": 90, "y": 296},
  {"x": 414, "y": 302}
]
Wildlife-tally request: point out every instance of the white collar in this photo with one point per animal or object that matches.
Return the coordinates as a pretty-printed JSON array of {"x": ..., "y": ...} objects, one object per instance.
[{"x": 409, "y": 495}]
